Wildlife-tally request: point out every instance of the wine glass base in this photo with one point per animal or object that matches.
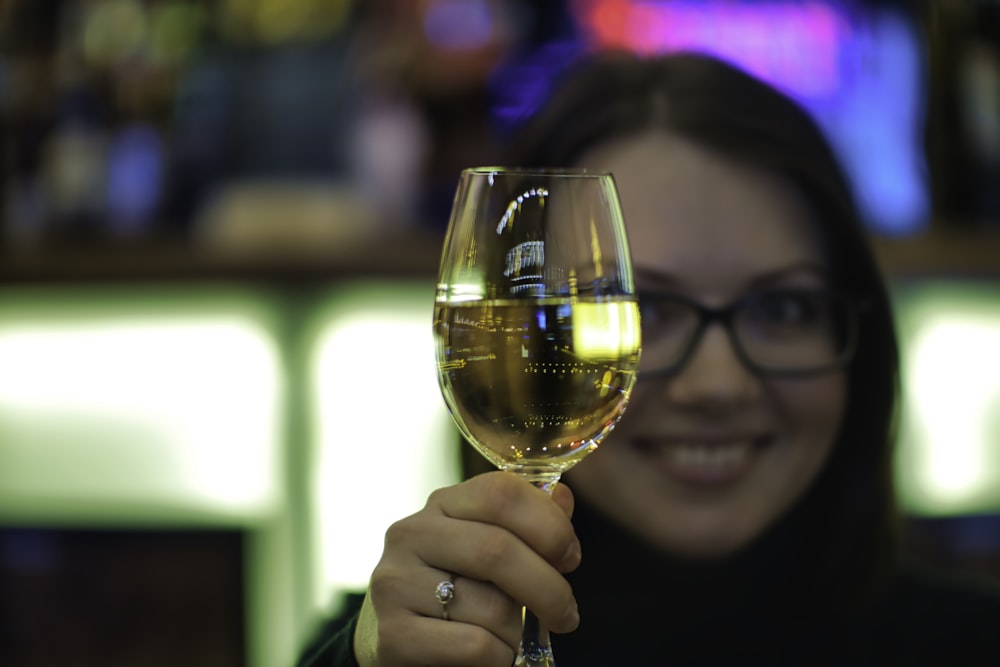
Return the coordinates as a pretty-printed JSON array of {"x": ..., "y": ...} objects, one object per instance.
[{"x": 535, "y": 656}]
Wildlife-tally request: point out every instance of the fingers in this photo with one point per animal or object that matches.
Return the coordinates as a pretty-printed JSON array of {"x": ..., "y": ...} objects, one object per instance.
[
  {"x": 483, "y": 604},
  {"x": 458, "y": 644},
  {"x": 513, "y": 504},
  {"x": 475, "y": 602},
  {"x": 563, "y": 497},
  {"x": 492, "y": 554},
  {"x": 504, "y": 544},
  {"x": 513, "y": 535},
  {"x": 395, "y": 639}
]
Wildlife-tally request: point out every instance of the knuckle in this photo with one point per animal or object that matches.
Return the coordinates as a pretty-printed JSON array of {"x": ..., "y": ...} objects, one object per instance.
[
  {"x": 501, "y": 494},
  {"x": 385, "y": 581},
  {"x": 400, "y": 532},
  {"x": 493, "y": 550},
  {"x": 436, "y": 496}
]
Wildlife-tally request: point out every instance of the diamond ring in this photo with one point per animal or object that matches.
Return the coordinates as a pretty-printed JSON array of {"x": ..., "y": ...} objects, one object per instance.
[{"x": 445, "y": 593}]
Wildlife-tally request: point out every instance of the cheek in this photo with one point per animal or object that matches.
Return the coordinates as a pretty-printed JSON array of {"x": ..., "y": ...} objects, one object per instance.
[
  {"x": 646, "y": 396},
  {"x": 812, "y": 409},
  {"x": 810, "y": 414}
]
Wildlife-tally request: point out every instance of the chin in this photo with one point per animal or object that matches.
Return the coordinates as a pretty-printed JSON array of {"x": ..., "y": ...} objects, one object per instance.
[{"x": 699, "y": 538}]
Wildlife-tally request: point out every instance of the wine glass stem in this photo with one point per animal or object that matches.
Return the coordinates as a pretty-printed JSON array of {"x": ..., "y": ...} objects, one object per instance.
[{"x": 536, "y": 649}]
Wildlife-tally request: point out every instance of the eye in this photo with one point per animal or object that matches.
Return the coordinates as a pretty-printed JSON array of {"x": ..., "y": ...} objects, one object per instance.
[
  {"x": 663, "y": 314},
  {"x": 787, "y": 309}
]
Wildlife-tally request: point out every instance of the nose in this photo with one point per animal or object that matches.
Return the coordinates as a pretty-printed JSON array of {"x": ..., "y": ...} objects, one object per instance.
[{"x": 714, "y": 374}]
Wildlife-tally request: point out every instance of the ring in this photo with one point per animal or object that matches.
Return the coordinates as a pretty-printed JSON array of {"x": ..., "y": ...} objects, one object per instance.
[{"x": 445, "y": 593}]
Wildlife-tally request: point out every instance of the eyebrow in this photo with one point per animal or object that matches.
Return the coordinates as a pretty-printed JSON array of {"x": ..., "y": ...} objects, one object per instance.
[{"x": 667, "y": 280}]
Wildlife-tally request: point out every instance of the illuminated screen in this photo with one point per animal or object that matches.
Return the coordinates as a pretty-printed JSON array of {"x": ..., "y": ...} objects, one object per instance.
[
  {"x": 127, "y": 405},
  {"x": 949, "y": 441}
]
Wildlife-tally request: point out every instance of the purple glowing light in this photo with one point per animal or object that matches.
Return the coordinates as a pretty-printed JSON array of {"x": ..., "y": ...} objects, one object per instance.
[
  {"x": 796, "y": 46},
  {"x": 858, "y": 71}
]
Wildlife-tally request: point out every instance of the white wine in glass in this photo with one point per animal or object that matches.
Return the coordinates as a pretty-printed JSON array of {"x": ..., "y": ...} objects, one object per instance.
[{"x": 536, "y": 324}]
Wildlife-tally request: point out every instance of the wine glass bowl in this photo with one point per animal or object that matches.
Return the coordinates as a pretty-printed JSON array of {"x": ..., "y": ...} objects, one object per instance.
[{"x": 536, "y": 325}]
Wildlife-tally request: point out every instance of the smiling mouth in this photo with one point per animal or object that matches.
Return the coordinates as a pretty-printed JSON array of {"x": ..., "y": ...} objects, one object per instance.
[{"x": 707, "y": 461}]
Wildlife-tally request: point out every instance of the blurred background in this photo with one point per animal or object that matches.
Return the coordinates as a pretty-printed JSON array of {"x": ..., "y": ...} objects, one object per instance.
[{"x": 219, "y": 228}]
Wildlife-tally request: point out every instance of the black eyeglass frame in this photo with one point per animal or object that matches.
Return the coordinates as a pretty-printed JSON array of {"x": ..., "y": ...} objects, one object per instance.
[{"x": 852, "y": 307}]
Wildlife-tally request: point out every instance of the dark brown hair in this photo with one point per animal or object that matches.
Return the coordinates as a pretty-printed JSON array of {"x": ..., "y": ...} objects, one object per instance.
[{"x": 725, "y": 110}]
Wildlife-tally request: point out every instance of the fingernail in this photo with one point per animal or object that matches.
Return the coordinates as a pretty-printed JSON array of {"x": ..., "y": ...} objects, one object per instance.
[
  {"x": 571, "y": 559},
  {"x": 573, "y": 615}
]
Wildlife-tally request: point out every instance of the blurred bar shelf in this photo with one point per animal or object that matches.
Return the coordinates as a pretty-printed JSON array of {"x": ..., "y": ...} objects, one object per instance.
[
  {"x": 398, "y": 255},
  {"x": 937, "y": 253},
  {"x": 944, "y": 251}
]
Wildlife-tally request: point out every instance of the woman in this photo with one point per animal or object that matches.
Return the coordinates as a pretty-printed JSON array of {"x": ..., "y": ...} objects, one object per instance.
[{"x": 743, "y": 510}]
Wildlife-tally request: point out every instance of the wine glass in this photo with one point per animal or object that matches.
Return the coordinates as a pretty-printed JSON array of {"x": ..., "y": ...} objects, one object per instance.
[{"x": 536, "y": 325}]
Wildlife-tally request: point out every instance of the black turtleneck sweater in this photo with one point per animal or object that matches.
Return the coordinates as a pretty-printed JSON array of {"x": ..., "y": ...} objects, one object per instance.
[{"x": 638, "y": 607}]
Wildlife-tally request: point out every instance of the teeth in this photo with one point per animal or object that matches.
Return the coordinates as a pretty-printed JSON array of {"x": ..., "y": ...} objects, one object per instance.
[{"x": 699, "y": 456}]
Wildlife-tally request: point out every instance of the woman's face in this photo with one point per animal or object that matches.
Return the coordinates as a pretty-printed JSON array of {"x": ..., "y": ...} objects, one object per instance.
[{"x": 706, "y": 459}]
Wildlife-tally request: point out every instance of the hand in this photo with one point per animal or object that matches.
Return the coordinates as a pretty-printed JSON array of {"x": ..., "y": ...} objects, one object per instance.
[{"x": 504, "y": 543}]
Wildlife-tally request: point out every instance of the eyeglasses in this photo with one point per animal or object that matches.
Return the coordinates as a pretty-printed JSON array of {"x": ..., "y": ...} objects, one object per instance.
[{"x": 790, "y": 332}]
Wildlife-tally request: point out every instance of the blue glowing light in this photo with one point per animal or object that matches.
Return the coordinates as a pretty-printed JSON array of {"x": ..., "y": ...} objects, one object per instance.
[
  {"x": 135, "y": 178},
  {"x": 459, "y": 25}
]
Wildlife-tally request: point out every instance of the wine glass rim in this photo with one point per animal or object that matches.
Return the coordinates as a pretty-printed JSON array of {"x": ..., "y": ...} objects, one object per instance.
[{"x": 579, "y": 172}]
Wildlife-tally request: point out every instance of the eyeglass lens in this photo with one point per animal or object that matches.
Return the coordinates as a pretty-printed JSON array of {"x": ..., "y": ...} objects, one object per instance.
[{"x": 780, "y": 330}]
